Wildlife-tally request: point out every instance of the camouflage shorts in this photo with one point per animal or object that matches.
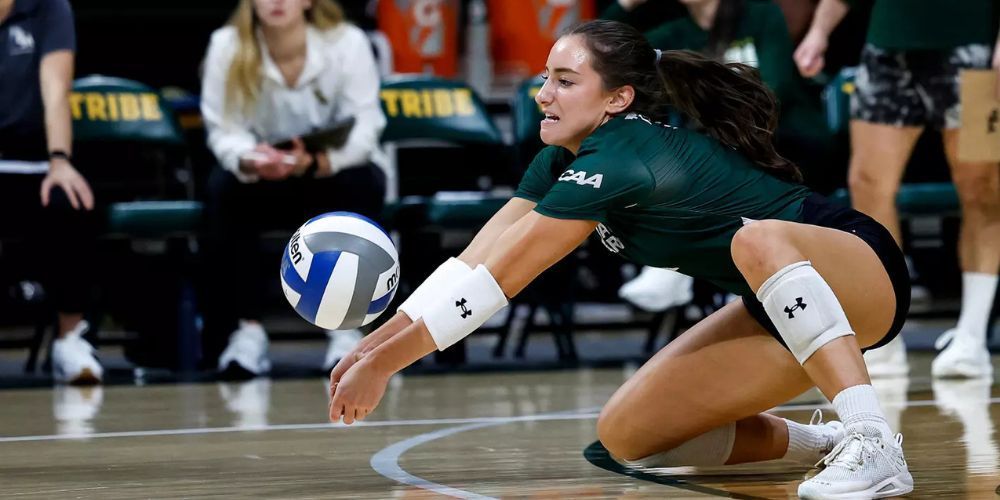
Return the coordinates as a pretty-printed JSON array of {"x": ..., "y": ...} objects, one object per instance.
[{"x": 913, "y": 88}]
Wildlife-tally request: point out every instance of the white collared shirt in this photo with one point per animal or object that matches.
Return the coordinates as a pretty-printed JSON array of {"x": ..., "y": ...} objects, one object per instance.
[{"x": 339, "y": 79}]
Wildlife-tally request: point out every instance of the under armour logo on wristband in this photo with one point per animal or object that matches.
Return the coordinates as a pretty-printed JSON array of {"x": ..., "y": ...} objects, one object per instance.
[
  {"x": 466, "y": 312},
  {"x": 798, "y": 305}
]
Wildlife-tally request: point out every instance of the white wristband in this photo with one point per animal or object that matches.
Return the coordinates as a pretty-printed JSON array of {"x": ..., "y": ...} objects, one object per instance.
[
  {"x": 464, "y": 308},
  {"x": 433, "y": 287}
]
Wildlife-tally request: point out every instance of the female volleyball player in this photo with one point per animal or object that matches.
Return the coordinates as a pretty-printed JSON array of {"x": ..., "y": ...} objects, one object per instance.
[{"x": 818, "y": 282}]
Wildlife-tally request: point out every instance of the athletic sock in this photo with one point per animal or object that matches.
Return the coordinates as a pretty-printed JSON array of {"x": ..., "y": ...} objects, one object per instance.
[
  {"x": 978, "y": 290},
  {"x": 859, "y": 410}
]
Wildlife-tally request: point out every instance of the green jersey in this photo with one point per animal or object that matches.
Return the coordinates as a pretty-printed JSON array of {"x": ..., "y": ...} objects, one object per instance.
[
  {"x": 930, "y": 24},
  {"x": 662, "y": 196}
]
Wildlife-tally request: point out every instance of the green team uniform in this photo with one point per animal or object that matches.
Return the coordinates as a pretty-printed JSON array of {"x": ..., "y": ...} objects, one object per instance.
[
  {"x": 761, "y": 40},
  {"x": 930, "y": 24},
  {"x": 663, "y": 196}
]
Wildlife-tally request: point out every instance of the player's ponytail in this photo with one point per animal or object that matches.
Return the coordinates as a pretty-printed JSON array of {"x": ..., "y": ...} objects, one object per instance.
[{"x": 728, "y": 101}]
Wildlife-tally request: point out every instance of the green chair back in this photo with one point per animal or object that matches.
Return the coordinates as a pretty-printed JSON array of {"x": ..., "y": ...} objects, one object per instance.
[
  {"x": 837, "y": 100},
  {"x": 115, "y": 109},
  {"x": 425, "y": 107}
]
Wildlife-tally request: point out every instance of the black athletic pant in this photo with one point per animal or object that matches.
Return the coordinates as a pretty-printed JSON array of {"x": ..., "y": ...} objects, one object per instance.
[
  {"x": 238, "y": 273},
  {"x": 55, "y": 245}
]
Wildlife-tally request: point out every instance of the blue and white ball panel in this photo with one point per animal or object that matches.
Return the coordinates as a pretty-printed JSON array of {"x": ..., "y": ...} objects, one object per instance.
[
  {"x": 298, "y": 259},
  {"x": 345, "y": 222},
  {"x": 340, "y": 271},
  {"x": 339, "y": 291}
]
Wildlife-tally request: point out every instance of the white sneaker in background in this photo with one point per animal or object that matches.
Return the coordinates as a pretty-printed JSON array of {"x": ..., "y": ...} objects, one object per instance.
[
  {"x": 968, "y": 400},
  {"x": 248, "y": 401},
  {"x": 888, "y": 360},
  {"x": 893, "y": 396},
  {"x": 74, "y": 408},
  {"x": 861, "y": 467},
  {"x": 962, "y": 358},
  {"x": 656, "y": 289},
  {"x": 73, "y": 360},
  {"x": 246, "y": 354},
  {"x": 342, "y": 342}
]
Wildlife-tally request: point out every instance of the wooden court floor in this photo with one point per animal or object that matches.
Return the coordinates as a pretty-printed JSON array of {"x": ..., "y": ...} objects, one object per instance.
[{"x": 510, "y": 435}]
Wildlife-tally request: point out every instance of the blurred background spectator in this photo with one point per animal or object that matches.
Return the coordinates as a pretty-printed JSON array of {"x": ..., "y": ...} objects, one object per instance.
[
  {"x": 281, "y": 69},
  {"x": 909, "y": 80},
  {"x": 43, "y": 198}
]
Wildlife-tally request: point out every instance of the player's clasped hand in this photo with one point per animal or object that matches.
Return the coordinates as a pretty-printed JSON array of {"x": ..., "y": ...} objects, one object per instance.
[
  {"x": 342, "y": 366},
  {"x": 358, "y": 391}
]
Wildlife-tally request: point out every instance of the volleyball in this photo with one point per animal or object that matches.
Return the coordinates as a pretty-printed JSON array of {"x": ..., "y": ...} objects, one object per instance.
[{"x": 340, "y": 270}]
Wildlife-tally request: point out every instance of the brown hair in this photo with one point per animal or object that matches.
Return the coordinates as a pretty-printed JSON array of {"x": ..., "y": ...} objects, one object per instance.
[
  {"x": 728, "y": 100},
  {"x": 243, "y": 78},
  {"x": 723, "y": 31}
]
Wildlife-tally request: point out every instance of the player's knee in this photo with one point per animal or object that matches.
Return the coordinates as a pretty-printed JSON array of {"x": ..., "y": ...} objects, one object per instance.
[
  {"x": 977, "y": 193},
  {"x": 869, "y": 186},
  {"x": 613, "y": 432},
  {"x": 755, "y": 243}
]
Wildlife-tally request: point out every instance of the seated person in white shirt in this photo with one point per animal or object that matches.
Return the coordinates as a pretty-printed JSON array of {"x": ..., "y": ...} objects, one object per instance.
[{"x": 281, "y": 69}]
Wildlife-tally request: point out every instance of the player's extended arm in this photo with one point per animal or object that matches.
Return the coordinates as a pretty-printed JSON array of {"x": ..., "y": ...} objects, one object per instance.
[
  {"x": 516, "y": 257},
  {"x": 473, "y": 255}
]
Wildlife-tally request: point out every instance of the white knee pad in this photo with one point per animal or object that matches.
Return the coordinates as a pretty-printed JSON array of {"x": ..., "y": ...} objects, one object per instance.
[
  {"x": 804, "y": 309},
  {"x": 710, "y": 448}
]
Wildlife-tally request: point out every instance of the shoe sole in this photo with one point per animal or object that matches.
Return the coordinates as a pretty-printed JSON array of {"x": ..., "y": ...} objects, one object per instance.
[{"x": 901, "y": 483}]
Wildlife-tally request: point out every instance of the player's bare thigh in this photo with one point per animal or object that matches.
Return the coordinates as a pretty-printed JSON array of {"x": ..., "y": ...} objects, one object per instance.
[
  {"x": 725, "y": 368},
  {"x": 845, "y": 261}
]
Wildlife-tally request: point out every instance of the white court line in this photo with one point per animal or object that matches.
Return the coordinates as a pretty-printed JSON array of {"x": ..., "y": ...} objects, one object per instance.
[
  {"x": 379, "y": 423},
  {"x": 296, "y": 427}
]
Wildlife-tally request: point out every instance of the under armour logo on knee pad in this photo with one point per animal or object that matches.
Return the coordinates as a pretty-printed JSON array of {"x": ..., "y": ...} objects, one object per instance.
[
  {"x": 466, "y": 312},
  {"x": 798, "y": 305}
]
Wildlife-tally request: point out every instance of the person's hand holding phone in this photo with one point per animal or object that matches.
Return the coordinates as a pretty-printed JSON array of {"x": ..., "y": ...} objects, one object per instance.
[
  {"x": 269, "y": 163},
  {"x": 303, "y": 159}
]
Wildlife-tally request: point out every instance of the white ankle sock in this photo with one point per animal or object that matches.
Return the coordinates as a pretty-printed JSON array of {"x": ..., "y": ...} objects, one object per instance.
[
  {"x": 978, "y": 290},
  {"x": 804, "y": 442},
  {"x": 859, "y": 410}
]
